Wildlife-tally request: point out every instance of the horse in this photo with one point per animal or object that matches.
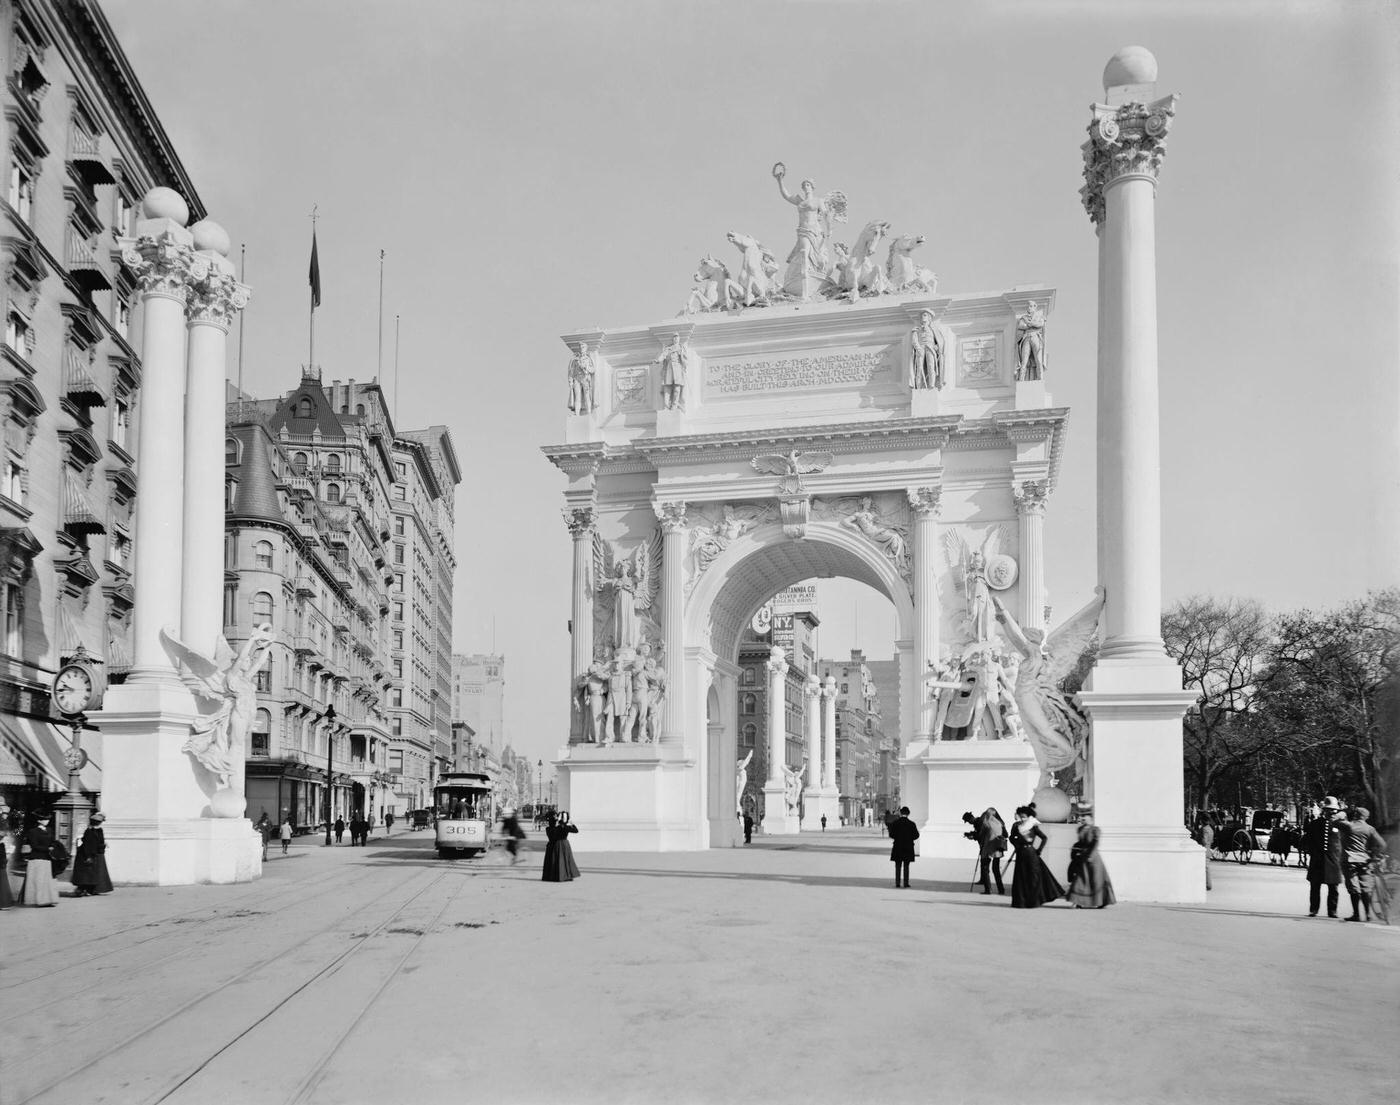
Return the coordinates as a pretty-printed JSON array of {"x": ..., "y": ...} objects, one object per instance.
[
  {"x": 861, "y": 273},
  {"x": 757, "y": 273},
  {"x": 714, "y": 289},
  {"x": 901, "y": 271}
]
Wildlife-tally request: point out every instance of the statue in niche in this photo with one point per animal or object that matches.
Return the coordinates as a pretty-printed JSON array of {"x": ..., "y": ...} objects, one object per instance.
[
  {"x": 757, "y": 271},
  {"x": 219, "y": 740},
  {"x": 656, "y": 697},
  {"x": 861, "y": 274},
  {"x": 792, "y": 785},
  {"x": 882, "y": 531},
  {"x": 927, "y": 355},
  {"x": 792, "y": 467},
  {"x": 977, "y": 590},
  {"x": 634, "y": 721},
  {"x": 946, "y": 681},
  {"x": 809, "y": 265},
  {"x": 1030, "y": 343},
  {"x": 581, "y": 372},
  {"x": 709, "y": 541},
  {"x": 675, "y": 362},
  {"x": 1052, "y": 723},
  {"x": 633, "y": 581},
  {"x": 591, "y": 694},
  {"x": 741, "y": 780},
  {"x": 901, "y": 271},
  {"x": 615, "y": 705}
]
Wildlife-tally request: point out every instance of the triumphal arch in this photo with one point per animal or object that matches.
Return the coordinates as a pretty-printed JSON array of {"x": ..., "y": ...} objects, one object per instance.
[{"x": 835, "y": 415}]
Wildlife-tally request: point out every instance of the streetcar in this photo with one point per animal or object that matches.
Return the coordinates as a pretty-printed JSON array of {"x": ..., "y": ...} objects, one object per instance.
[{"x": 464, "y": 806}]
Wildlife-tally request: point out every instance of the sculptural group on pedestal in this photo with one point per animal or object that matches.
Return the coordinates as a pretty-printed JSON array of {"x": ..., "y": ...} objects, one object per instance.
[
  {"x": 817, "y": 266},
  {"x": 621, "y": 696}
]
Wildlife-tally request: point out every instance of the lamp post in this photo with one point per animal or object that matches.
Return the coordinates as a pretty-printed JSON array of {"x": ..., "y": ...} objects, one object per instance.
[
  {"x": 539, "y": 786},
  {"x": 330, "y": 752}
]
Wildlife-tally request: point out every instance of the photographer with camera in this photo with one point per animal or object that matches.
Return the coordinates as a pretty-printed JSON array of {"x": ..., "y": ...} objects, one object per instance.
[{"x": 990, "y": 833}]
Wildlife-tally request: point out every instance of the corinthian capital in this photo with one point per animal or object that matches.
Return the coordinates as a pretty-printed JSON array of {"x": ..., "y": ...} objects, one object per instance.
[
  {"x": 1125, "y": 141},
  {"x": 1031, "y": 496},
  {"x": 925, "y": 501},
  {"x": 580, "y": 519},
  {"x": 670, "y": 515},
  {"x": 165, "y": 264},
  {"x": 777, "y": 662},
  {"x": 216, "y": 300}
]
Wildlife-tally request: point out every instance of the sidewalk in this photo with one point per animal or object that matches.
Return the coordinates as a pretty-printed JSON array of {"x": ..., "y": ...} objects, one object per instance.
[{"x": 789, "y": 970}]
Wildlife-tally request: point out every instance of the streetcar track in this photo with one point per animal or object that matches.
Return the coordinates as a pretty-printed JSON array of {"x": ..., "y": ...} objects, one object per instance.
[
  {"x": 251, "y": 969},
  {"x": 298, "y": 894}
]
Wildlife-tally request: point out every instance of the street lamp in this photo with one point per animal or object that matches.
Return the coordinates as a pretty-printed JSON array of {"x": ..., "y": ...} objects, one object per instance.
[
  {"x": 539, "y": 787},
  {"x": 330, "y": 751}
]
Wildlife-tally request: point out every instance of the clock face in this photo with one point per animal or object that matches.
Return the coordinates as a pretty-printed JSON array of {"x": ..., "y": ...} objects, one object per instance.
[{"x": 72, "y": 690}]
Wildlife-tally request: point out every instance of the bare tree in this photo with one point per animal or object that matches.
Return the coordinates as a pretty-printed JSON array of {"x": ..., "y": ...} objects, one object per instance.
[{"x": 1221, "y": 645}]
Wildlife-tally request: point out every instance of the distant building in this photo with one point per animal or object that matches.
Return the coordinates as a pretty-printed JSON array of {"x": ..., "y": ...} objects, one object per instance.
[
  {"x": 794, "y": 631},
  {"x": 866, "y": 759},
  {"x": 479, "y": 696},
  {"x": 81, "y": 146}
]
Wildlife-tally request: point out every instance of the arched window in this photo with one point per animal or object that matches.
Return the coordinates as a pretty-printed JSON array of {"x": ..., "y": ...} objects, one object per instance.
[
  {"x": 333, "y": 462},
  {"x": 305, "y": 409},
  {"x": 262, "y": 607},
  {"x": 230, "y": 451},
  {"x": 750, "y": 677},
  {"x": 262, "y": 554},
  {"x": 359, "y": 408},
  {"x": 299, "y": 463},
  {"x": 750, "y": 735},
  {"x": 261, "y": 744},
  {"x": 332, "y": 492},
  {"x": 750, "y": 705}
]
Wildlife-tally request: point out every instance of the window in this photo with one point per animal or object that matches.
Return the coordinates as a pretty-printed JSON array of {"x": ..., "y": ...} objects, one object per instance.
[
  {"x": 299, "y": 464},
  {"x": 262, "y": 733},
  {"x": 396, "y": 726},
  {"x": 11, "y": 618},
  {"x": 750, "y": 705},
  {"x": 396, "y": 698},
  {"x": 400, "y": 492},
  {"x": 21, "y": 194},
  {"x": 12, "y": 479},
  {"x": 398, "y": 611},
  {"x": 230, "y": 493},
  {"x": 230, "y": 451},
  {"x": 119, "y": 550},
  {"x": 264, "y": 680},
  {"x": 305, "y": 408},
  {"x": 750, "y": 677},
  {"x": 396, "y": 760},
  {"x": 398, "y": 554},
  {"x": 332, "y": 492},
  {"x": 749, "y": 735},
  {"x": 17, "y": 334},
  {"x": 398, "y": 638},
  {"x": 121, "y": 421},
  {"x": 333, "y": 463},
  {"x": 398, "y": 525},
  {"x": 398, "y": 669},
  {"x": 262, "y": 554},
  {"x": 401, "y": 468},
  {"x": 122, "y": 316},
  {"x": 359, "y": 408},
  {"x": 398, "y": 581},
  {"x": 262, "y": 607}
]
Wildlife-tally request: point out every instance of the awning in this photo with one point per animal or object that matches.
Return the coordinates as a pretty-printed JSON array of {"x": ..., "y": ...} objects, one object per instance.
[{"x": 37, "y": 747}]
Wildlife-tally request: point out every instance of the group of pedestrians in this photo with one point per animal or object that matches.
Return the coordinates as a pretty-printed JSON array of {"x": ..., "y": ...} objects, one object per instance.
[
  {"x": 43, "y": 857},
  {"x": 1342, "y": 847}
]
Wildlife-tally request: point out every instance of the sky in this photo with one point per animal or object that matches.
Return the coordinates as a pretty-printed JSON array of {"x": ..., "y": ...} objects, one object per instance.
[{"x": 531, "y": 169}]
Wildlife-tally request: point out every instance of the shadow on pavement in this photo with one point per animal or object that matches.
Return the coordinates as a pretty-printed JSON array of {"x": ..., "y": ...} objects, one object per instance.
[{"x": 804, "y": 880}]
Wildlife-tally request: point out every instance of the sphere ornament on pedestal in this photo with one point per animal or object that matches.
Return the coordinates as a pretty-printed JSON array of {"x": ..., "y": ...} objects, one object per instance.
[
  {"x": 211, "y": 236},
  {"x": 227, "y": 802},
  {"x": 1051, "y": 805},
  {"x": 1130, "y": 65},
  {"x": 165, "y": 203}
]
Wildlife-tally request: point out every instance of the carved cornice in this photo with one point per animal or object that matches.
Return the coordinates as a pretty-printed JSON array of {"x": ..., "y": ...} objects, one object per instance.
[
  {"x": 925, "y": 501},
  {"x": 580, "y": 519},
  {"x": 671, "y": 516},
  {"x": 216, "y": 300},
  {"x": 840, "y": 437},
  {"x": 164, "y": 264},
  {"x": 1124, "y": 142},
  {"x": 1031, "y": 496}
]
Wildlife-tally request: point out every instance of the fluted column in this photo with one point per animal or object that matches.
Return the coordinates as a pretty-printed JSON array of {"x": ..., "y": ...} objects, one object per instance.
[
  {"x": 812, "y": 701},
  {"x": 777, "y": 728},
  {"x": 673, "y": 532},
  {"x": 924, "y": 505},
  {"x": 829, "y": 734},
  {"x": 163, "y": 257},
  {"x": 1031, "y": 497},
  {"x": 1122, "y": 158},
  {"x": 581, "y": 520},
  {"x": 212, "y": 305}
]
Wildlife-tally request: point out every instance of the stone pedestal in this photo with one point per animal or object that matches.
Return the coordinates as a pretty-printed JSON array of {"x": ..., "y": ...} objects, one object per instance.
[
  {"x": 1031, "y": 395},
  {"x": 579, "y": 428},
  {"x": 631, "y": 798},
  {"x": 812, "y": 810},
  {"x": 670, "y": 423},
  {"x": 159, "y": 829},
  {"x": 924, "y": 402},
  {"x": 945, "y": 779},
  {"x": 776, "y": 819}
]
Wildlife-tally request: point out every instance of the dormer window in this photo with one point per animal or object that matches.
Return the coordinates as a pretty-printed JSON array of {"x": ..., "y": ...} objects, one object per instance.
[{"x": 305, "y": 408}]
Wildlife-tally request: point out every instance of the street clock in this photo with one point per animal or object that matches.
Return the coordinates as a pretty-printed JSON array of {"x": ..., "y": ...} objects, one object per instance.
[{"x": 76, "y": 687}]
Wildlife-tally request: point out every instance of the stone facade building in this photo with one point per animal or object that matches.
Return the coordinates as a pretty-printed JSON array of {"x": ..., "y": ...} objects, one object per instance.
[
  {"x": 794, "y": 632},
  {"x": 335, "y": 536},
  {"x": 866, "y": 763},
  {"x": 479, "y": 697},
  {"x": 81, "y": 145}
]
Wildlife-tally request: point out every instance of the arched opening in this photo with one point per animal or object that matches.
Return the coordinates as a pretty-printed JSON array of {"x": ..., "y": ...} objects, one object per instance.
[{"x": 726, "y": 655}]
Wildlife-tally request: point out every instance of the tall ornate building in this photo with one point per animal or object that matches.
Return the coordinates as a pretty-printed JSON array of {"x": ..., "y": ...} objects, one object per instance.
[
  {"x": 864, "y": 763},
  {"x": 337, "y": 535},
  {"x": 81, "y": 145},
  {"x": 479, "y": 697}
]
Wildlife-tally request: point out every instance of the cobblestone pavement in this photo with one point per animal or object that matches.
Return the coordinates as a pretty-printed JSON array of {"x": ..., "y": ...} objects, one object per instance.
[{"x": 788, "y": 971}]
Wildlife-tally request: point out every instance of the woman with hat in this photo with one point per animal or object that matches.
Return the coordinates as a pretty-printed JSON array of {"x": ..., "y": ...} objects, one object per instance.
[
  {"x": 1033, "y": 885},
  {"x": 1089, "y": 884},
  {"x": 90, "y": 865},
  {"x": 38, "y": 872},
  {"x": 559, "y": 865},
  {"x": 1324, "y": 844},
  {"x": 7, "y": 895}
]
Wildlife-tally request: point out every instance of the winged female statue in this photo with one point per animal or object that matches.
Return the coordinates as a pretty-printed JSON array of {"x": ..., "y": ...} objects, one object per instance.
[
  {"x": 893, "y": 539},
  {"x": 972, "y": 564},
  {"x": 633, "y": 581},
  {"x": 219, "y": 740},
  {"x": 1055, "y": 727},
  {"x": 792, "y": 467}
]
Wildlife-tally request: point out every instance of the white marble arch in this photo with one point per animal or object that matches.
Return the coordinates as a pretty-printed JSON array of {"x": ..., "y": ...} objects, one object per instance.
[{"x": 743, "y": 577}]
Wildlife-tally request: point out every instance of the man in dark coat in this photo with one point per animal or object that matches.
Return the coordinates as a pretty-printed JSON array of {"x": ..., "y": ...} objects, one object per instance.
[
  {"x": 1324, "y": 842},
  {"x": 989, "y": 831},
  {"x": 748, "y": 828},
  {"x": 903, "y": 832}
]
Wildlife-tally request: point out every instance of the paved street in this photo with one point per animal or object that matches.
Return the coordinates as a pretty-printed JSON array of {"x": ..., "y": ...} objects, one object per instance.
[{"x": 790, "y": 971}]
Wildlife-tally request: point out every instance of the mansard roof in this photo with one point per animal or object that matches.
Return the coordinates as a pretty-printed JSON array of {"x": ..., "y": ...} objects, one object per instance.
[
  {"x": 322, "y": 418},
  {"x": 255, "y": 498}
]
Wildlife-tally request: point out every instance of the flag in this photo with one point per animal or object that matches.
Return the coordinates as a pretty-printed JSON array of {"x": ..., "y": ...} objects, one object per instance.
[{"x": 315, "y": 274}]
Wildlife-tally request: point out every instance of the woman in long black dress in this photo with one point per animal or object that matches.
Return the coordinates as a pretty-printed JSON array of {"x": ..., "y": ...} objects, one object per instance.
[
  {"x": 559, "y": 865},
  {"x": 1089, "y": 884},
  {"x": 38, "y": 889},
  {"x": 90, "y": 864},
  {"x": 1033, "y": 885}
]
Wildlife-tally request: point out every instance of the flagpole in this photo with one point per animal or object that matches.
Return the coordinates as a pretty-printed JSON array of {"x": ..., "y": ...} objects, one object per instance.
[
  {"x": 396, "y": 366},
  {"x": 311, "y": 357},
  {"x": 242, "y": 279},
  {"x": 379, "y": 370}
]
